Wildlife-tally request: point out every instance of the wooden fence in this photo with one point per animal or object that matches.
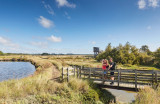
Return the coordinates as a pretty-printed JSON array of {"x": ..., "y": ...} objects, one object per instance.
[{"x": 122, "y": 76}]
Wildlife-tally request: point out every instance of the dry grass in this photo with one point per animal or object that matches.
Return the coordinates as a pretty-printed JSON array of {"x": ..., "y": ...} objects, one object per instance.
[
  {"x": 148, "y": 96},
  {"x": 40, "y": 89}
]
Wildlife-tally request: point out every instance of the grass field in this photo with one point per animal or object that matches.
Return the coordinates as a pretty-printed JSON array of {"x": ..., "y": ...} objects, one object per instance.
[{"x": 41, "y": 88}]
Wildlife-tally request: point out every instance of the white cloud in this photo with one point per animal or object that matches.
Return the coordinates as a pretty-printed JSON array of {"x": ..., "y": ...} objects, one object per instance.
[
  {"x": 40, "y": 44},
  {"x": 141, "y": 4},
  {"x": 62, "y": 3},
  {"x": 49, "y": 8},
  {"x": 54, "y": 39},
  {"x": 46, "y": 23},
  {"x": 153, "y": 3},
  {"x": 67, "y": 15},
  {"x": 92, "y": 42},
  {"x": 7, "y": 42},
  {"x": 149, "y": 27}
]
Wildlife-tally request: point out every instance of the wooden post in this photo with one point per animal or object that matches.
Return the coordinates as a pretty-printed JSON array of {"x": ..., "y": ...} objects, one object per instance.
[
  {"x": 94, "y": 73},
  {"x": 74, "y": 71},
  {"x": 107, "y": 74},
  {"x": 103, "y": 76},
  {"x": 120, "y": 74},
  {"x": 89, "y": 73},
  {"x": 84, "y": 73},
  {"x": 78, "y": 72},
  {"x": 67, "y": 75},
  {"x": 156, "y": 80},
  {"x": 62, "y": 73},
  {"x": 72, "y": 68},
  {"x": 136, "y": 79},
  {"x": 152, "y": 77},
  {"x": 118, "y": 77}
]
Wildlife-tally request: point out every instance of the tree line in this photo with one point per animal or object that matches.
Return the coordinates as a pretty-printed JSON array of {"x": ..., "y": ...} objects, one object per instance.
[
  {"x": 130, "y": 54},
  {"x": 1, "y": 53}
]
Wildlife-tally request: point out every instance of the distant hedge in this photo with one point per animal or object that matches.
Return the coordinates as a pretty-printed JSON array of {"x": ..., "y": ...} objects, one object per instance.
[{"x": 130, "y": 54}]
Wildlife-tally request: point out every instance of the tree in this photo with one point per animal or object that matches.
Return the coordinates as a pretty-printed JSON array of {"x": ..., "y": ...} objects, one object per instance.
[
  {"x": 1, "y": 53},
  {"x": 129, "y": 54},
  {"x": 145, "y": 49},
  {"x": 157, "y": 57},
  {"x": 108, "y": 51},
  {"x": 45, "y": 54}
]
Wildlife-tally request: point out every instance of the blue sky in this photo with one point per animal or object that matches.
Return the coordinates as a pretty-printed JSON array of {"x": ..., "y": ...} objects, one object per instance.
[{"x": 76, "y": 26}]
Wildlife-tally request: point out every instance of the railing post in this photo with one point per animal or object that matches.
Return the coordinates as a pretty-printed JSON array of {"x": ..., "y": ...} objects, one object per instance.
[
  {"x": 107, "y": 74},
  {"x": 84, "y": 72},
  {"x": 156, "y": 77},
  {"x": 89, "y": 73},
  {"x": 94, "y": 73},
  {"x": 78, "y": 72},
  {"x": 152, "y": 77},
  {"x": 136, "y": 79},
  {"x": 118, "y": 77},
  {"x": 120, "y": 74},
  {"x": 72, "y": 68},
  {"x": 74, "y": 71},
  {"x": 67, "y": 75},
  {"x": 103, "y": 76},
  {"x": 62, "y": 74}
]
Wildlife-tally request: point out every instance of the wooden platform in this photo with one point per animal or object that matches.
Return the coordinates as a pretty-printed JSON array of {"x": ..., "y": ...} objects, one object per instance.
[
  {"x": 129, "y": 78},
  {"x": 125, "y": 85}
]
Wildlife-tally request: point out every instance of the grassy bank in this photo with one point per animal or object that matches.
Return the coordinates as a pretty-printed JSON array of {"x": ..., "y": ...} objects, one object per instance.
[
  {"x": 148, "y": 96},
  {"x": 41, "y": 88}
]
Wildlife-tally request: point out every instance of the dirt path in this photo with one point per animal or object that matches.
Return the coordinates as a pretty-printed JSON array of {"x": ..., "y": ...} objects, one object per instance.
[{"x": 56, "y": 73}]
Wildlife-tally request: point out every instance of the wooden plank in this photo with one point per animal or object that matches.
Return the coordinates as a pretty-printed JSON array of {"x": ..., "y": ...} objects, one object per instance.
[
  {"x": 103, "y": 80},
  {"x": 144, "y": 78},
  {"x": 138, "y": 83},
  {"x": 124, "y": 70}
]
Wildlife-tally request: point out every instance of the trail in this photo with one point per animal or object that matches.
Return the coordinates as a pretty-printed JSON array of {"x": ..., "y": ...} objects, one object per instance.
[{"x": 56, "y": 73}]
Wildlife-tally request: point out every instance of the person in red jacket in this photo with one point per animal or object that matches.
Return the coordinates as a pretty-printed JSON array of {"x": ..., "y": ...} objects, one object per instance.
[{"x": 105, "y": 67}]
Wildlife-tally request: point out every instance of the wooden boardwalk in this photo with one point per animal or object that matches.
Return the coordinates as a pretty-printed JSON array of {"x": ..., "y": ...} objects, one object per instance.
[{"x": 129, "y": 78}]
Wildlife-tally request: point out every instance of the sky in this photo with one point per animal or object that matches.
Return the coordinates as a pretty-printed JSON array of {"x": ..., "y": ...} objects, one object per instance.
[{"x": 76, "y": 26}]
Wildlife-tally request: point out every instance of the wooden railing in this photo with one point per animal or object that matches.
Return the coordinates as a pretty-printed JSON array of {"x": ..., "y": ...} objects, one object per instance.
[{"x": 127, "y": 76}]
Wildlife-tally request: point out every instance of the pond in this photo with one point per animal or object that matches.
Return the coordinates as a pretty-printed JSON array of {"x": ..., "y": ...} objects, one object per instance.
[{"x": 15, "y": 70}]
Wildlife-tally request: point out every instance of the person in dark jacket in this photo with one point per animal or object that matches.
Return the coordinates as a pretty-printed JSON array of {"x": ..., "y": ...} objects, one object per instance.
[{"x": 112, "y": 67}]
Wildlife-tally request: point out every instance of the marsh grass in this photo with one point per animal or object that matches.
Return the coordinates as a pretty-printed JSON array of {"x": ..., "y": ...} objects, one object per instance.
[
  {"x": 148, "y": 96},
  {"x": 41, "y": 89}
]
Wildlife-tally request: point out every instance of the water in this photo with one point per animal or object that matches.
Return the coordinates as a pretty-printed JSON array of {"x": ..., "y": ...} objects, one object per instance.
[
  {"x": 15, "y": 70},
  {"x": 123, "y": 96}
]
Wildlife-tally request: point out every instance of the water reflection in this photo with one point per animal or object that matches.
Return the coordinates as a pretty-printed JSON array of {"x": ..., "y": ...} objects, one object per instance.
[{"x": 15, "y": 70}]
